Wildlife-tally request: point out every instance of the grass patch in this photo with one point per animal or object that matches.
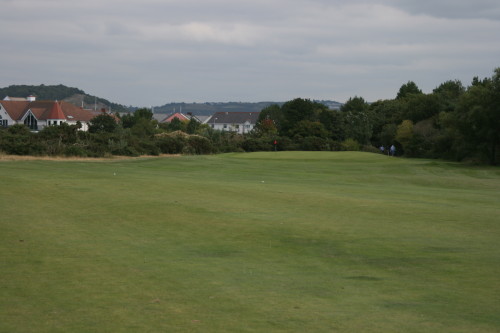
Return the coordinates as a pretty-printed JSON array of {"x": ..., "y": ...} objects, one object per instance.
[{"x": 260, "y": 242}]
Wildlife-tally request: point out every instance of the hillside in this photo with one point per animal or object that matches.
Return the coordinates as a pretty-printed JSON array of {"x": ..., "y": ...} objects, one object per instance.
[
  {"x": 208, "y": 108},
  {"x": 62, "y": 93},
  {"x": 78, "y": 97}
]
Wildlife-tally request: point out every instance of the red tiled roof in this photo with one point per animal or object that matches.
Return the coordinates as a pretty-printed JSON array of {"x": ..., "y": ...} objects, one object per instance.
[
  {"x": 15, "y": 109},
  {"x": 56, "y": 112},
  {"x": 178, "y": 115},
  {"x": 75, "y": 113},
  {"x": 38, "y": 112},
  {"x": 44, "y": 110},
  {"x": 40, "y": 109}
]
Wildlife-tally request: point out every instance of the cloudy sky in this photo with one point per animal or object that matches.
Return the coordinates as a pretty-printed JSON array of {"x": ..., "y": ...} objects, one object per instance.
[{"x": 151, "y": 52}]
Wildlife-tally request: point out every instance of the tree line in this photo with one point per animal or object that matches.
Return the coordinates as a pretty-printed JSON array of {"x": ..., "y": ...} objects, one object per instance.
[{"x": 453, "y": 122}]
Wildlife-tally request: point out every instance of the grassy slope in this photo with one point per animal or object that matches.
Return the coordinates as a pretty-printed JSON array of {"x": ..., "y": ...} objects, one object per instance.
[{"x": 287, "y": 242}]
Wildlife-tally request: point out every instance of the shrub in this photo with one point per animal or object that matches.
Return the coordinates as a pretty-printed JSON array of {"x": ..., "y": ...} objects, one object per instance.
[
  {"x": 200, "y": 144},
  {"x": 170, "y": 144},
  {"x": 314, "y": 143},
  {"x": 75, "y": 150},
  {"x": 350, "y": 145},
  {"x": 257, "y": 144},
  {"x": 188, "y": 150},
  {"x": 370, "y": 149}
]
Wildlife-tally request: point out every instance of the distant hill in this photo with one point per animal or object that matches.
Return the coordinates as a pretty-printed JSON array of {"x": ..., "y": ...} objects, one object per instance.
[
  {"x": 62, "y": 93},
  {"x": 78, "y": 97},
  {"x": 205, "y": 109}
]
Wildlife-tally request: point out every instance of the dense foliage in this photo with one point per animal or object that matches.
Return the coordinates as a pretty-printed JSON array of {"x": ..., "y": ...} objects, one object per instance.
[{"x": 453, "y": 122}]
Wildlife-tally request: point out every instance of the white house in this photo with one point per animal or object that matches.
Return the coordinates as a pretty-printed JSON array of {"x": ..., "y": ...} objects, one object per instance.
[
  {"x": 38, "y": 114},
  {"x": 239, "y": 122}
]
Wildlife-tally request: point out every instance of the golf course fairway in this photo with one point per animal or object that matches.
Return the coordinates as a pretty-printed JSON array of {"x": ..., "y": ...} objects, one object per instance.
[{"x": 249, "y": 242}]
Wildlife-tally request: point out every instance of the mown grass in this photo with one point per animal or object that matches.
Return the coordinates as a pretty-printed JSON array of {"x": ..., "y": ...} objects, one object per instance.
[{"x": 261, "y": 242}]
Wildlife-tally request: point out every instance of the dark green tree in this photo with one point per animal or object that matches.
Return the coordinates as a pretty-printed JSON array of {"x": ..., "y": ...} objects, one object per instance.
[
  {"x": 143, "y": 127},
  {"x": 307, "y": 128},
  {"x": 388, "y": 134},
  {"x": 298, "y": 110},
  {"x": 176, "y": 125},
  {"x": 408, "y": 88},
  {"x": 143, "y": 113},
  {"x": 130, "y": 119},
  {"x": 332, "y": 122},
  {"x": 478, "y": 116},
  {"x": 357, "y": 120},
  {"x": 192, "y": 126},
  {"x": 448, "y": 95},
  {"x": 270, "y": 120},
  {"x": 417, "y": 107},
  {"x": 103, "y": 123}
]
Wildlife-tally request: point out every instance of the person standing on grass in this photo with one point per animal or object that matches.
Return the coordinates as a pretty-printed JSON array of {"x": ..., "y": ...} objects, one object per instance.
[
  {"x": 382, "y": 149},
  {"x": 393, "y": 150}
]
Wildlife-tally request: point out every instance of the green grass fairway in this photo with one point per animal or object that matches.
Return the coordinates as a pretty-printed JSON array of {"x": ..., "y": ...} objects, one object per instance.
[{"x": 260, "y": 242}]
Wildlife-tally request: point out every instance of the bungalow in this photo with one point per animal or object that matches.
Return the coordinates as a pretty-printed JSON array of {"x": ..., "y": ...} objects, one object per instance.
[
  {"x": 239, "y": 122},
  {"x": 38, "y": 114},
  {"x": 177, "y": 115},
  {"x": 162, "y": 118}
]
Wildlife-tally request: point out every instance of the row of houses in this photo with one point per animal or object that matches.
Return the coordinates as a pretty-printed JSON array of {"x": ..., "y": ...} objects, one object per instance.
[
  {"x": 39, "y": 114},
  {"x": 238, "y": 122}
]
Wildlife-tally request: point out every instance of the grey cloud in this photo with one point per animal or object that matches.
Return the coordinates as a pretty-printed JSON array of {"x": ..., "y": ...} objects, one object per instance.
[
  {"x": 154, "y": 51},
  {"x": 478, "y": 9}
]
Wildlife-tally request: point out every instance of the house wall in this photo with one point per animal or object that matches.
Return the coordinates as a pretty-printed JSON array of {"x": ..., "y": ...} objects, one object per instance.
[{"x": 238, "y": 128}]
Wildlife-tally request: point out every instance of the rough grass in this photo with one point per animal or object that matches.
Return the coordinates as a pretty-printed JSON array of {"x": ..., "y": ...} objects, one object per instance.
[{"x": 261, "y": 242}]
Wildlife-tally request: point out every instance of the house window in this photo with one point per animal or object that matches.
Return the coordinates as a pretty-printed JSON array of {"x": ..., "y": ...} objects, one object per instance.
[
  {"x": 225, "y": 125},
  {"x": 3, "y": 122},
  {"x": 31, "y": 122}
]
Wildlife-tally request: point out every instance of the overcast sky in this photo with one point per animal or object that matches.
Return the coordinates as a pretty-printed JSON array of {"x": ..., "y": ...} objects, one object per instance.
[{"x": 152, "y": 52}]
